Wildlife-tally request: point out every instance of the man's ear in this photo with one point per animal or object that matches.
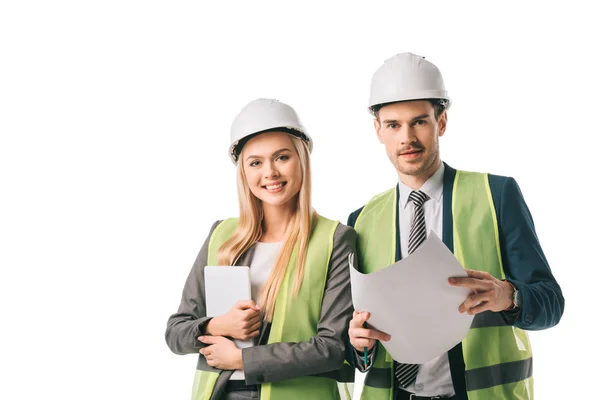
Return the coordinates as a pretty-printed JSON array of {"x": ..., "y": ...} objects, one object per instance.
[
  {"x": 443, "y": 121},
  {"x": 377, "y": 126}
]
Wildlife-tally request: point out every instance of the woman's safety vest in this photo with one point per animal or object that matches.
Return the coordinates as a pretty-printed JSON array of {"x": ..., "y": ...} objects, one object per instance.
[
  {"x": 294, "y": 319},
  {"x": 498, "y": 359}
]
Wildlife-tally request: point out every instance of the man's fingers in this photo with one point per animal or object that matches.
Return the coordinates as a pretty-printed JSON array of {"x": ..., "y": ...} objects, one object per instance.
[
  {"x": 474, "y": 300},
  {"x": 472, "y": 283},
  {"x": 481, "y": 307},
  {"x": 364, "y": 333},
  {"x": 360, "y": 344},
  {"x": 477, "y": 274}
]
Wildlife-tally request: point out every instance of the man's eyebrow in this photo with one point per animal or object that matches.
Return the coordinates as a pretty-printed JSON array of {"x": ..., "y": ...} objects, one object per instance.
[
  {"x": 422, "y": 116},
  {"x": 395, "y": 121}
]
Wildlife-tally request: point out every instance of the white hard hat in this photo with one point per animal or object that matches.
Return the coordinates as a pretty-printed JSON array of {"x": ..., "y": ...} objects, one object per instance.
[
  {"x": 407, "y": 76},
  {"x": 263, "y": 115}
]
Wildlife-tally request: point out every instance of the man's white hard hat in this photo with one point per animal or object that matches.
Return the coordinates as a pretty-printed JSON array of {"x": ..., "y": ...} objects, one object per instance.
[{"x": 404, "y": 77}]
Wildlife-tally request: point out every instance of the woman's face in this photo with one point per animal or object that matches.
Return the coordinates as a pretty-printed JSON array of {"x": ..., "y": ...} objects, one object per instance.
[{"x": 272, "y": 168}]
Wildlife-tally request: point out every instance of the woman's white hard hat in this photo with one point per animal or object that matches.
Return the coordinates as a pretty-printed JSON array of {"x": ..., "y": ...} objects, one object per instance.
[{"x": 263, "y": 115}]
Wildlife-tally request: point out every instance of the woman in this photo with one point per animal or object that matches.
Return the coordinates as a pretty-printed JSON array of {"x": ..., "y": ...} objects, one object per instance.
[{"x": 301, "y": 301}]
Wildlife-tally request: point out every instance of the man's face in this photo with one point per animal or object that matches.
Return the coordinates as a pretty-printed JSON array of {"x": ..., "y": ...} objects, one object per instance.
[{"x": 410, "y": 134}]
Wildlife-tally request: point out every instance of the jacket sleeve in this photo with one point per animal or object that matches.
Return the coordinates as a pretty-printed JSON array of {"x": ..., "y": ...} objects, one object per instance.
[
  {"x": 353, "y": 356},
  {"x": 525, "y": 265},
  {"x": 184, "y": 327},
  {"x": 358, "y": 359},
  {"x": 323, "y": 352}
]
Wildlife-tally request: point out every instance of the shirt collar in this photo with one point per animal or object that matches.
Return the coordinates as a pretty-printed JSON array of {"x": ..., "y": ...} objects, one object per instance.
[{"x": 434, "y": 187}]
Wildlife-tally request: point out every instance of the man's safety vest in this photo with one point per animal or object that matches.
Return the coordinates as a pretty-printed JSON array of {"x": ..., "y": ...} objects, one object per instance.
[{"x": 497, "y": 356}]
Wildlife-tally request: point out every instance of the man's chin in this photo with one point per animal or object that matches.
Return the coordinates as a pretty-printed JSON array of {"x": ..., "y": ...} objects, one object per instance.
[{"x": 411, "y": 169}]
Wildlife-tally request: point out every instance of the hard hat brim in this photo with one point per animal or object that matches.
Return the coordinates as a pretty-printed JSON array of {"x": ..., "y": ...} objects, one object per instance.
[
  {"x": 236, "y": 148},
  {"x": 379, "y": 105}
]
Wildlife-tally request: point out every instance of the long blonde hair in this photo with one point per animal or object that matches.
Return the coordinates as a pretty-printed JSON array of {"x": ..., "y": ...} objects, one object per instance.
[{"x": 250, "y": 230}]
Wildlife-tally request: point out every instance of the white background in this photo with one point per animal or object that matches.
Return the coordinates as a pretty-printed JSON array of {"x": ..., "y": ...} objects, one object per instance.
[{"x": 114, "y": 123}]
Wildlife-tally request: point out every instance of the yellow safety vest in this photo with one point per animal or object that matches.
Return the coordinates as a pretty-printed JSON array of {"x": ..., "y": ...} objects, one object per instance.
[
  {"x": 294, "y": 319},
  {"x": 498, "y": 358}
]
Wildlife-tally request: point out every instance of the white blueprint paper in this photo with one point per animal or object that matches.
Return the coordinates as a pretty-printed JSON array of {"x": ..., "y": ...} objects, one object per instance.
[
  {"x": 413, "y": 302},
  {"x": 225, "y": 286}
]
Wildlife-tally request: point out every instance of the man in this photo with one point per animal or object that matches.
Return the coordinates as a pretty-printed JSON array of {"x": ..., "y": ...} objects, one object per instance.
[{"x": 482, "y": 218}]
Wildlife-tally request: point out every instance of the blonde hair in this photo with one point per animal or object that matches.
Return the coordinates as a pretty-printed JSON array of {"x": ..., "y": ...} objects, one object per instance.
[{"x": 250, "y": 230}]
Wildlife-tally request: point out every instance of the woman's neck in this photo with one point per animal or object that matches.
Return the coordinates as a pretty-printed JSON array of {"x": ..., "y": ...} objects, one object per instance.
[{"x": 275, "y": 223}]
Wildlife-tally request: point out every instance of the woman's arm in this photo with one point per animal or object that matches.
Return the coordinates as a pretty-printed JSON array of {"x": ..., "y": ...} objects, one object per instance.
[{"x": 184, "y": 327}]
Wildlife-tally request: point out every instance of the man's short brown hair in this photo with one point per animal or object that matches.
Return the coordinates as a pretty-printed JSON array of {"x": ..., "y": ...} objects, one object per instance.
[{"x": 439, "y": 105}]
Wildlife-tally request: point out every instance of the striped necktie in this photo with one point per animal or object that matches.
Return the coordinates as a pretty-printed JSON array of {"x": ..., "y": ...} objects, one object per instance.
[{"x": 407, "y": 373}]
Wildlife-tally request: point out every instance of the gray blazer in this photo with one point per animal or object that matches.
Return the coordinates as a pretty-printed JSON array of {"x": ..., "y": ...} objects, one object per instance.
[{"x": 323, "y": 353}]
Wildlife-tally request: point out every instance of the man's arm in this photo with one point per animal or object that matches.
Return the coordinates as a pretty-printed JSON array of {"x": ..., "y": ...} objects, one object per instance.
[{"x": 525, "y": 265}]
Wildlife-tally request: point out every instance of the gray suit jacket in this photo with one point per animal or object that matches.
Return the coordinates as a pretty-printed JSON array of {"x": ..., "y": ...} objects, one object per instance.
[{"x": 278, "y": 361}]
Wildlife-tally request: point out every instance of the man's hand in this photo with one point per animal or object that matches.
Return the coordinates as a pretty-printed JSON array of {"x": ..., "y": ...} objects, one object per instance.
[
  {"x": 361, "y": 337},
  {"x": 222, "y": 352},
  {"x": 490, "y": 293},
  {"x": 242, "y": 322}
]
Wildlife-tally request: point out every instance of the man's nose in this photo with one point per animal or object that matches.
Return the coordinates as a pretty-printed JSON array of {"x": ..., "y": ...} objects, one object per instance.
[{"x": 407, "y": 134}]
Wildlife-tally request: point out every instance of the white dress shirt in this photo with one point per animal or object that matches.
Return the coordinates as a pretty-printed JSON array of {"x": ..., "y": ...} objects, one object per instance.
[
  {"x": 265, "y": 255},
  {"x": 434, "y": 377}
]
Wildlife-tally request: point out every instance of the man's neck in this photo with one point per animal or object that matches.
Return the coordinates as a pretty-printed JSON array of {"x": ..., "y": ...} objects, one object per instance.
[{"x": 415, "y": 182}]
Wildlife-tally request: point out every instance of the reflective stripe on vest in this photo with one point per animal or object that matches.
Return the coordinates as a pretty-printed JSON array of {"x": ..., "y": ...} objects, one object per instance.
[
  {"x": 294, "y": 319},
  {"x": 497, "y": 357}
]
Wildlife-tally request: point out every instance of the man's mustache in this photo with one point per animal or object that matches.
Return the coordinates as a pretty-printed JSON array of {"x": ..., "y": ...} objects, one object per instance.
[{"x": 410, "y": 149}]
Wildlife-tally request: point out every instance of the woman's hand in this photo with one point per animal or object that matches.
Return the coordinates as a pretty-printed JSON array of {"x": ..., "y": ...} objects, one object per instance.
[
  {"x": 222, "y": 352},
  {"x": 242, "y": 322}
]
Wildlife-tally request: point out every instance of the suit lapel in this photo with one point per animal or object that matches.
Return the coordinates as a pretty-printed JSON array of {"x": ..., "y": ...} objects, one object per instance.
[
  {"x": 447, "y": 228},
  {"x": 397, "y": 223}
]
